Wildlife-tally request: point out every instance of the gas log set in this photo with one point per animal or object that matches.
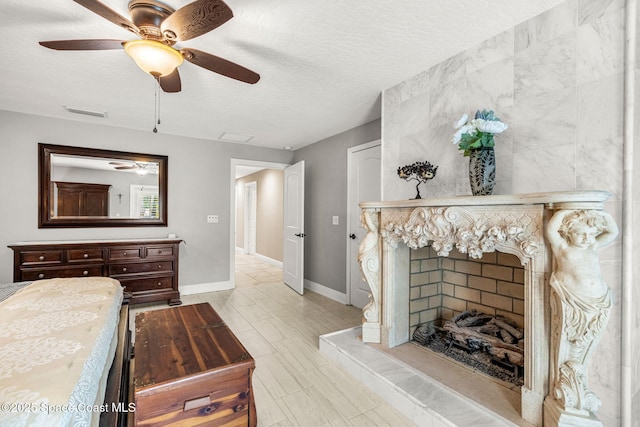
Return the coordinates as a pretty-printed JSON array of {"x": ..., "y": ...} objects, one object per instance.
[{"x": 490, "y": 344}]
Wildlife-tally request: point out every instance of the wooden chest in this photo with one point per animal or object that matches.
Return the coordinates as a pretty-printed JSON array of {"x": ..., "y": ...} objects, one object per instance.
[{"x": 189, "y": 369}]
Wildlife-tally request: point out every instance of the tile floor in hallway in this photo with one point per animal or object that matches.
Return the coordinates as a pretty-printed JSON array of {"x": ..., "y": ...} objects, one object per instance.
[{"x": 294, "y": 384}]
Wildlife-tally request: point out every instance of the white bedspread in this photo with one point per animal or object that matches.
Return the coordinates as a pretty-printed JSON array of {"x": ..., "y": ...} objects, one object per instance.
[{"x": 55, "y": 345}]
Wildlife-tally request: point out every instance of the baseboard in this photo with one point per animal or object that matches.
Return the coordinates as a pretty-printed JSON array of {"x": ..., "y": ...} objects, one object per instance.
[
  {"x": 325, "y": 291},
  {"x": 200, "y": 288},
  {"x": 268, "y": 260}
]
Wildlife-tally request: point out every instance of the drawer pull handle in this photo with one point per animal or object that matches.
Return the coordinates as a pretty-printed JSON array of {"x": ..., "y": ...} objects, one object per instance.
[
  {"x": 41, "y": 276},
  {"x": 159, "y": 283},
  {"x": 124, "y": 253},
  {"x": 159, "y": 266},
  {"x": 124, "y": 270},
  {"x": 86, "y": 255},
  {"x": 85, "y": 273},
  {"x": 41, "y": 258}
]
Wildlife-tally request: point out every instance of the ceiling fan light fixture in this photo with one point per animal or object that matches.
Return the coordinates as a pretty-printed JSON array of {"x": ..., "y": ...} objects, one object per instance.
[{"x": 154, "y": 57}]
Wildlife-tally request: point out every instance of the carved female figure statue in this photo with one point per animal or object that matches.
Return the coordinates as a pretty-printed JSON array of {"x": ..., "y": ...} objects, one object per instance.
[{"x": 580, "y": 302}]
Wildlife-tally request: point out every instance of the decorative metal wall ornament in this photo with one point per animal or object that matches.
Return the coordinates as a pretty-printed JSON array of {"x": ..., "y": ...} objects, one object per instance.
[{"x": 419, "y": 171}]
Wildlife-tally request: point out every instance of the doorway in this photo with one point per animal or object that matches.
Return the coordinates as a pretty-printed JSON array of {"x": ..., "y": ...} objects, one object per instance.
[
  {"x": 255, "y": 260},
  {"x": 364, "y": 184}
]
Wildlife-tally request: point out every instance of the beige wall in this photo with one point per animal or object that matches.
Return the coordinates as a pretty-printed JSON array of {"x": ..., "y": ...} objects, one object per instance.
[{"x": 269, "y": 218}]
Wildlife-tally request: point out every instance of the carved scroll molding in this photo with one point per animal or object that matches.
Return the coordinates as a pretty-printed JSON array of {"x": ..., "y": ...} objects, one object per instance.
[
  {"x": 369, "y": 259},
  {"x": 517, "y": 231},
  {"x": 474, "y": 230}
]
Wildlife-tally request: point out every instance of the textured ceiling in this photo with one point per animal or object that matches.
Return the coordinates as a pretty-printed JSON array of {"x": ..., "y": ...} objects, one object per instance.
[{"x": 323, "y": 63}]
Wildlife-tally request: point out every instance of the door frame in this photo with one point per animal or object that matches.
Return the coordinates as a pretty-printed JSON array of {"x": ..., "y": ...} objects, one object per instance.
[
  {"x": 350, "y": 152},
  {"x": 232, "y": 207},
  {"x": 250, "y": 209}
]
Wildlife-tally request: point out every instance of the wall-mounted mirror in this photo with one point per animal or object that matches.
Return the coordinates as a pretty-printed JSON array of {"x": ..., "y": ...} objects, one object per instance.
[{"x": 87, "y": 187}]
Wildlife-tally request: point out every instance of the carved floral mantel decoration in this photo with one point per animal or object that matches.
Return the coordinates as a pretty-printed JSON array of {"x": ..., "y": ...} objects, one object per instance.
[{"x": 446, "y": 228}]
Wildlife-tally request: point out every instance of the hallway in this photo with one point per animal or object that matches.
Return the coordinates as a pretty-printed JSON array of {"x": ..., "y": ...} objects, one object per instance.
[{"x": 251, "y": 271}]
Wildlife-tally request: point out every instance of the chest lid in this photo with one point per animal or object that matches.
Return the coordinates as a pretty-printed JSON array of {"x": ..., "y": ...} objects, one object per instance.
[{"x": 177, "y": 342}]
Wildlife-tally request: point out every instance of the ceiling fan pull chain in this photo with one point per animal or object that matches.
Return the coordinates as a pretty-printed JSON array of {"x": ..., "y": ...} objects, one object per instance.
[
  {"x": 156, "y": 119},
  {"x": 158, "y": 95}
]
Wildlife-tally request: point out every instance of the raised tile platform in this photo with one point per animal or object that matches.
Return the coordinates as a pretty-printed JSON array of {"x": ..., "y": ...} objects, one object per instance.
[{"x": 421, "y": 398}]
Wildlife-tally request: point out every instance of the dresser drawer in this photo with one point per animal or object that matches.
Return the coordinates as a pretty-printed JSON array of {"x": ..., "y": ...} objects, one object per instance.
[
  {"x": 42, "y": 273},
  {"x": 140, "y": 267},
  {"x": 125, "y": 253},
  {"x": 40, "y": 257},
  {"x": 74, "y": 255},
  {"x": 161, "y": 251},
  {"x": 147, "y": 284},
  {"x": 148, "y": 267}
]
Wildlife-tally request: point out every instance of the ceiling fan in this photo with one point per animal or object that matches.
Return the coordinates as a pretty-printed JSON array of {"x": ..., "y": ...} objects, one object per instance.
[{"x": 159, "y": 27}]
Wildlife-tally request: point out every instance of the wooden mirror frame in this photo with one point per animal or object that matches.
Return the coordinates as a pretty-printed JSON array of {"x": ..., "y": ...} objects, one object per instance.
[{"x": 45, "y": 189}]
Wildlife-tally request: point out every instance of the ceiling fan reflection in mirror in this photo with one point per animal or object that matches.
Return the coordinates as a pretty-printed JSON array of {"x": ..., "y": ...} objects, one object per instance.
[
  {"x": 141, "y": 168},
  {"x": 159, "y": 28}
]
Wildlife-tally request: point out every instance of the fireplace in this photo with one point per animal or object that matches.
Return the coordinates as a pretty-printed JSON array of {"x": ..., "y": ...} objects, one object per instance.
[
  {"x": 471, "y": 311},
  {"x": 466, "y": 229}
]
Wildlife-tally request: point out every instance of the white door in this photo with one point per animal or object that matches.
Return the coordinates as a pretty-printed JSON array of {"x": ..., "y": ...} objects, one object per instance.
[
  {"x": 250, "y": 212},
  {"x": 293, "y": 256},
  {"x": 364, "y": 185}
]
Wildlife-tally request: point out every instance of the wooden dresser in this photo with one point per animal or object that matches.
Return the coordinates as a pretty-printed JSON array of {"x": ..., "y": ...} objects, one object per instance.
[
  {"x": 147, "y": 269},
  {"x": 189, "y": 369}
]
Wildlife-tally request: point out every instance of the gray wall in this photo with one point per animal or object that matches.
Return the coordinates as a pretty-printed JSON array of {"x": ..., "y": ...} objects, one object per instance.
[
  {"x": 199, "y": 184},
  {"x": 325, "y": 196}
]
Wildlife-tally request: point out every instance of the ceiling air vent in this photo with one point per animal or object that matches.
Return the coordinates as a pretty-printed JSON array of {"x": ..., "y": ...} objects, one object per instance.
[
  {"x": 235, "y": 137},
  {"x": 102, "y": 114}
]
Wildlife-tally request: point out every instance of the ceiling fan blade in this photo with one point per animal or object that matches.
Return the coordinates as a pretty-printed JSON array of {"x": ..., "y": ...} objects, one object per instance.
[
  {"x": 171, "y": 83},
  {"x": 109, "y": 14},
  {"x": 195, "y": 19},
  {"x": 220, "y": 66},
  {"x": 92, "y": 44}
]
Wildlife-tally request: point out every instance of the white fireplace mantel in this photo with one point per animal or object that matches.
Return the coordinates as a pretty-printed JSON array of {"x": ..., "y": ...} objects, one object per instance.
[{"x": 514, "y": 224}]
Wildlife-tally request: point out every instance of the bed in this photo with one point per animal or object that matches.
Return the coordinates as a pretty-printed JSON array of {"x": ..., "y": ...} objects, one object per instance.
[{"x": 64, "y": 352}]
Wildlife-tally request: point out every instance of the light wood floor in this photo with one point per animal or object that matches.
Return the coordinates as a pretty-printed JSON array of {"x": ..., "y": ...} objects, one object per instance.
[{"x": 294, "y": 384}]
